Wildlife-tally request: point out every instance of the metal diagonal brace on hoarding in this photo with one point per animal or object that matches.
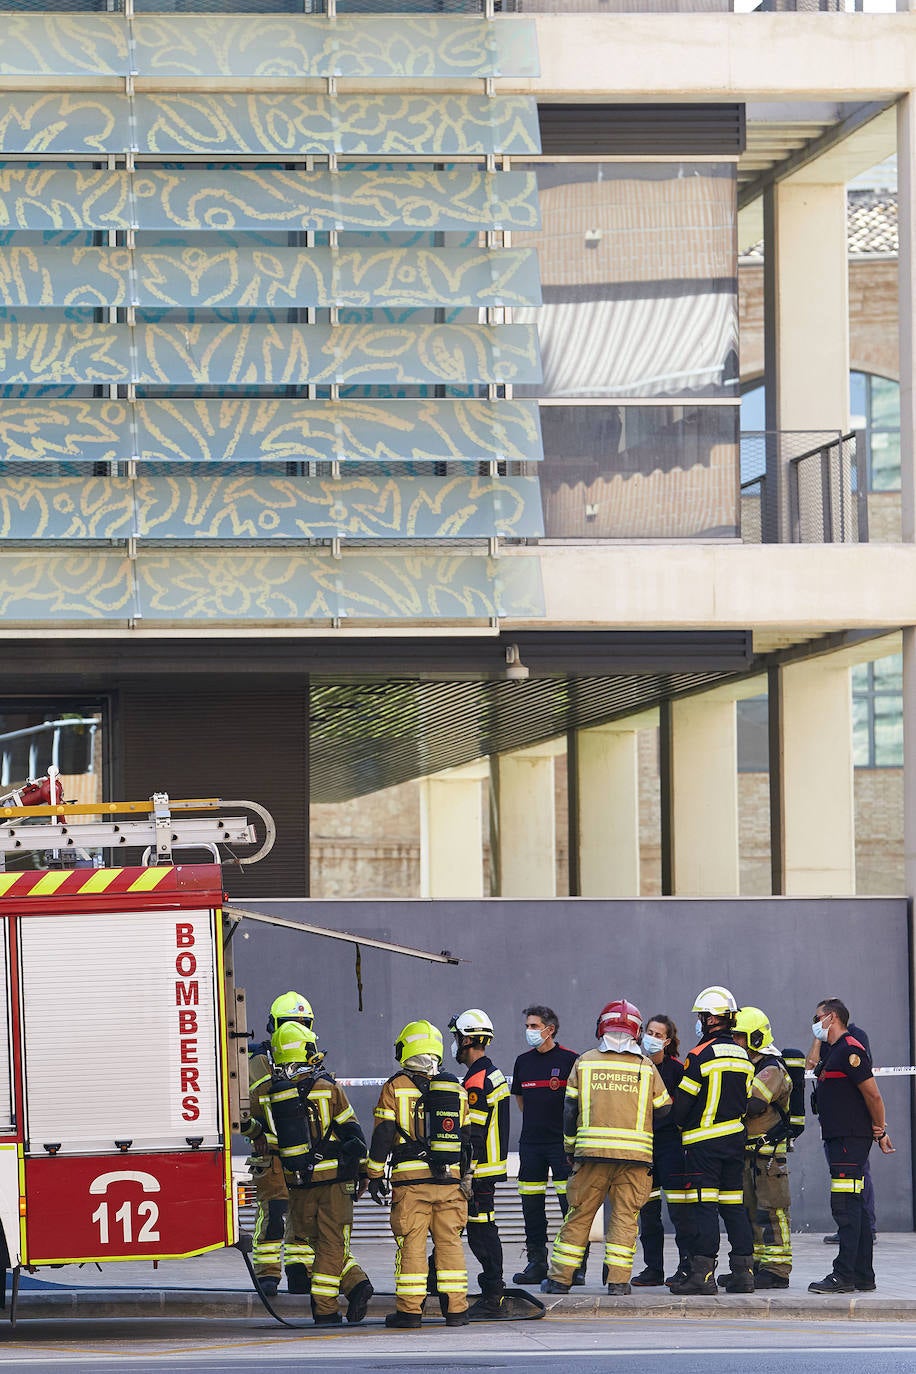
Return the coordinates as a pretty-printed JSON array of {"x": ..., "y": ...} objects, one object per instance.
[{"x": 445, "y": 957}]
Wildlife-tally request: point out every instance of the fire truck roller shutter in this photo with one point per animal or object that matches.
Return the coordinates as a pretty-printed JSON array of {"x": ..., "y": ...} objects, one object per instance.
[{"x": 120, "y": 1030}]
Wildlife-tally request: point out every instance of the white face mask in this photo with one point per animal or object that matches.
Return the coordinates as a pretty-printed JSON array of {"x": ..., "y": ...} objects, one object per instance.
[
  {"x": 456, "y": 1052},
  {"x": 534, "y": 1037},
  {"x": 819, "y": 1030}
]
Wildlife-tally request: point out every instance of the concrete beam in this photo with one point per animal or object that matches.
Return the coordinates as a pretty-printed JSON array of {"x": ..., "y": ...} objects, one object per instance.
[
  {"x": 811, "y": 588},
  {"x": 781, "y": 57}
]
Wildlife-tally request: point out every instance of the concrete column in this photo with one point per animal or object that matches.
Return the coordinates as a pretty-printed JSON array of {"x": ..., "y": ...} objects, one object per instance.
[
  {"x": 818, "y": 842},
  {"x": 607, "y": 811},
  {"x": 806, "y": 314},
  {"x": 701, "y": 769},
  {"x": 451, "y": 833},
  {"x": 526, "y": 822}
]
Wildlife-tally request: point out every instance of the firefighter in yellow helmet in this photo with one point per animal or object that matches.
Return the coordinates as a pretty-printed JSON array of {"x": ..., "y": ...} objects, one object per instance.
[
  {"x": 422, "y": 1135},
  {"x": 322, "y": 1151},
  {"x": 271, "y": 1195},
  {"x": 766, "y": 1174}
]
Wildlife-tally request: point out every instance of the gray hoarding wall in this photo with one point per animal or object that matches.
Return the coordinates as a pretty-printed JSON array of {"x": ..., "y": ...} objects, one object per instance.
[{"x": 575, "y": 954}]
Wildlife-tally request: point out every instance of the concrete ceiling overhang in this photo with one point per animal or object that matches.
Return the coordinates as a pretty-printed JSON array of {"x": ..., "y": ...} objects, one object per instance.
[{"x": 814, "y": 143}]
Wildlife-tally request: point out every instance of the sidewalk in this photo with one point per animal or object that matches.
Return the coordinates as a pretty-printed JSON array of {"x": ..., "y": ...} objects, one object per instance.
[{"x": 218, "y": 1285}]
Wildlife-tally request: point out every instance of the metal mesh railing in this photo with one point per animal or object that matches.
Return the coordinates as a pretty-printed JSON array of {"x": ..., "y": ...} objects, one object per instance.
[{"x": 803, "y": 487}]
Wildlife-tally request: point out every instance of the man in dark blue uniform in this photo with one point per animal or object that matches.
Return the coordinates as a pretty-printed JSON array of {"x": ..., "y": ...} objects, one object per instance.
[
  {"x": 851, "y": 1112},
  {"x": 539, "y": 1088}
]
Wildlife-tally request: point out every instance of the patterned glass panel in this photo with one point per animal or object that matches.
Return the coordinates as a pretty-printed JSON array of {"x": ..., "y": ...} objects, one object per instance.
[
  {"x": 245, "y": 504},
  {"x": 85, "y": 46},
  {"x": 260, "y": 277},
  {"x": 387, "y": 199},
  {"x": 213, "y": 586},
  {"x": 276, "y": 430},
  {"x": 254, "y": 355}
]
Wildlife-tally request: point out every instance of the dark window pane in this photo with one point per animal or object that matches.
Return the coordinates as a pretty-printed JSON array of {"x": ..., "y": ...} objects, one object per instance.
[{"x": 753, "y": 735}]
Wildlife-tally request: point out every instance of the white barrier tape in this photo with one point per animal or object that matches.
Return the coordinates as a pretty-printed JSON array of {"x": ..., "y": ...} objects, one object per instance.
[
  {"x": 904, "y": 1071},
  {"x": 361, "y": 1082}
]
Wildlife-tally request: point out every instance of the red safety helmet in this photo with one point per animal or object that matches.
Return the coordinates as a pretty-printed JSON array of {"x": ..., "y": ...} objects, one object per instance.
[{"x": 619, "y": 1016}]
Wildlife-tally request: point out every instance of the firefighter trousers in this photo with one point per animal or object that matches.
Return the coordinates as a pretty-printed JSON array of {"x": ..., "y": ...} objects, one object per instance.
[
  {"x": 766, "y": 1198},
  {"x": 847, "y": 1156},
  {"x": 625, "y": 1185},
  {"x": 483, "y": 1238},
  {"x": 419, "y": 1210},
  {"x": 322, "y": 1216},
  {"x": 271, "y": 1231},
  {"x": 535, "y": 1164},
  {"x": 714, "y": 1188}
]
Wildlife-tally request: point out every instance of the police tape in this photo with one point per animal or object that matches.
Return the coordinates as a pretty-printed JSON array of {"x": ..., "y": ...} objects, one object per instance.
[{"x": 901, "y": 1071}]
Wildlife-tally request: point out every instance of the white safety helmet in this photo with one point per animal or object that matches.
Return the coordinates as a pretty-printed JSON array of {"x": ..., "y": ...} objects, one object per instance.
[
  {"x": 716, "y": 1001},
  {"x": 472, "y": 1022}
]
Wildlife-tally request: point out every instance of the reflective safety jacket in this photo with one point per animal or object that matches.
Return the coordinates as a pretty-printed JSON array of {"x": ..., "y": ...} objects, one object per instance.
[
  {"x": 710, "y": 1101},
  {"x": 400, "y": 1132},
  {"x": 794, "y": 1061},
  {"x": 259, "y": 1073},
  {"x": 771, "y": 1090},
  {"x": 333, "y": 1129},
  {"x": 488, "y": 1109},
  {"x": 612, "y": 1102}
]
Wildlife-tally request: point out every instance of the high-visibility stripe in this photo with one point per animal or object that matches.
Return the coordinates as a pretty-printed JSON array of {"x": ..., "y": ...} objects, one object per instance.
[
  {"x": 101, "y": 879},
  {"x": 48, "y": 883},
  {"x": 731, "y": 1199},
  {"x": 531, "y": 1189},
  {"x": 688, "y": 1085},
  {"x": 150, "y": 878},
  {"x": 846, "y": 1185},
  {"x": 722, "y": 1128}
]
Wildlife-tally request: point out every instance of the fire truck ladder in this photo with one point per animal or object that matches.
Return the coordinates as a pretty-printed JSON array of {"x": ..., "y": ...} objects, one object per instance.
[{"x": 157, "y": 826}]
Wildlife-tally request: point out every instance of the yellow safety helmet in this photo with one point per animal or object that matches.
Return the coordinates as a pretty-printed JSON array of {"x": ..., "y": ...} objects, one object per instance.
[
  {"x": 291, "y": 1006},
  {"x": 715, "y": 1001},
  {"x": 293, "y": 1043},
  {"x": 418, "y": 1037},
  {"x": 754, "y": 1023}
]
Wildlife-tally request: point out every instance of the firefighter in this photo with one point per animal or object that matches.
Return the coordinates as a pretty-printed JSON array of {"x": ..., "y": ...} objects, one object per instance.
[
  {"x": 422, "y": 1128},
  {"x": 488, "y": 1110},
  {"x": 766, "y": 1173},
  {"x": 322, "y": 1150},
  {"x": 710, "y": 1103},
  {"x": 267, "y": 1172},
  {"x": 614, "y": 1099}
]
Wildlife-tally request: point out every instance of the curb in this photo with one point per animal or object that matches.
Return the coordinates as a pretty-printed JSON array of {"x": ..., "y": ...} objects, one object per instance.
[{"x": 170, "y": 1303}]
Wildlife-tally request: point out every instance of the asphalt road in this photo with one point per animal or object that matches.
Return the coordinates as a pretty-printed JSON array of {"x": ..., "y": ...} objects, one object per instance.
[{"x": 589, "y": 1346}]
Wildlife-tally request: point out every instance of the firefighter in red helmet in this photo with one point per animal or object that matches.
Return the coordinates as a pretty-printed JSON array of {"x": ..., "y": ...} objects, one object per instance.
[{"x": 614, "y": 1099}]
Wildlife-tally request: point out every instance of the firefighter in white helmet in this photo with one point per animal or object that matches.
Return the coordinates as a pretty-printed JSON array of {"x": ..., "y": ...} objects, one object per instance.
[
  {"x": 710, "y": 1104},
  {"x": 488, "y": 1108},
  {"x": 422, "y": 1134},
  {"x": 615, "y": 1096},
  {"x": 271, "y": 1196},
  {"x": 322, "y": 1150}
]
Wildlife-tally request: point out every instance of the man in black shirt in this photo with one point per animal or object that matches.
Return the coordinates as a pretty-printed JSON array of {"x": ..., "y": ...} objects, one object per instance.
[
  {"x": 851, "y": 1113},
  {"x": 539, "y": 1088},
  {"x": 816, "y": 1056}
]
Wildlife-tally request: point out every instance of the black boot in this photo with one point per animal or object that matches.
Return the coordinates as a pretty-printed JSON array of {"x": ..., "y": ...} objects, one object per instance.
[
  {"x": 358, "y": 1301},
  {"x": 298, "y": 1279},
  {"x": 554, "y": 1286},
  {"x": 681, "y": 1273},
  {"x": 405, "y": 1320},
  {"x": 268, "y": 1284},
  {"x": 326, "y": 1318},
  {"x": 536, "y": 1268},
  {"x": 487, "y": 1306},
  {"x": 701, "y": 1279},
  {"x": 741, "y": 1278},
  {"x": 457, "y": 1318},
  {"x": 765, "y": 1278},
  {"x": 649, "y": 1278},
  {"x": 579, "y": 1275}
]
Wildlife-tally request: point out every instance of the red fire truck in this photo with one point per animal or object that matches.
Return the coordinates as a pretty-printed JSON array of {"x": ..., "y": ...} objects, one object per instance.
[{"x": 124, "y": 1071}]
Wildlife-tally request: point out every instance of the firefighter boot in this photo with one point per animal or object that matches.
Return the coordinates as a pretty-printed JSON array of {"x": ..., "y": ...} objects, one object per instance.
[
  {"x": 489, "y": 1305},
  {"x": 326, "y": 1318},
  {"x": 536, "y": 1268},
  {"x": 701, "y": 1279},
  {"x": 579, "y": 1275},
  {"x": 268, "y": 1284},
  {"x": 741, "y": 1278},
  {"x": 358, "y": 1301},
  {"x": 408, "y": 1321},
  {"x": 298, "y": 1279}
]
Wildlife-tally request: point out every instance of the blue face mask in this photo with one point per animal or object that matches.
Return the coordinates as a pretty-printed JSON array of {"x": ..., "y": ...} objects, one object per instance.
[
  {"x": 652, "y": 1044},
  {"x": 819, "y": 1030},
  {"x": 534, "y": 1037},
  {"x": 699, "y": 1029}
]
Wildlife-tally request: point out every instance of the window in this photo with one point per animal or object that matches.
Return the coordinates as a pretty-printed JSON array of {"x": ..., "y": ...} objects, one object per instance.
[{"x": 877, "y": 713}]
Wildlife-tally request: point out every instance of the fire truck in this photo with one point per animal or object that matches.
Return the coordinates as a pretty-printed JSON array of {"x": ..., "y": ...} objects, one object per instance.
[{"x": 124, "y": 1072}]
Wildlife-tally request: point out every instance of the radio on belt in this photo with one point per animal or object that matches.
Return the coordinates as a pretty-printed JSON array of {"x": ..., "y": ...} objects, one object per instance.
[{"x": 125, "y": 1071}]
